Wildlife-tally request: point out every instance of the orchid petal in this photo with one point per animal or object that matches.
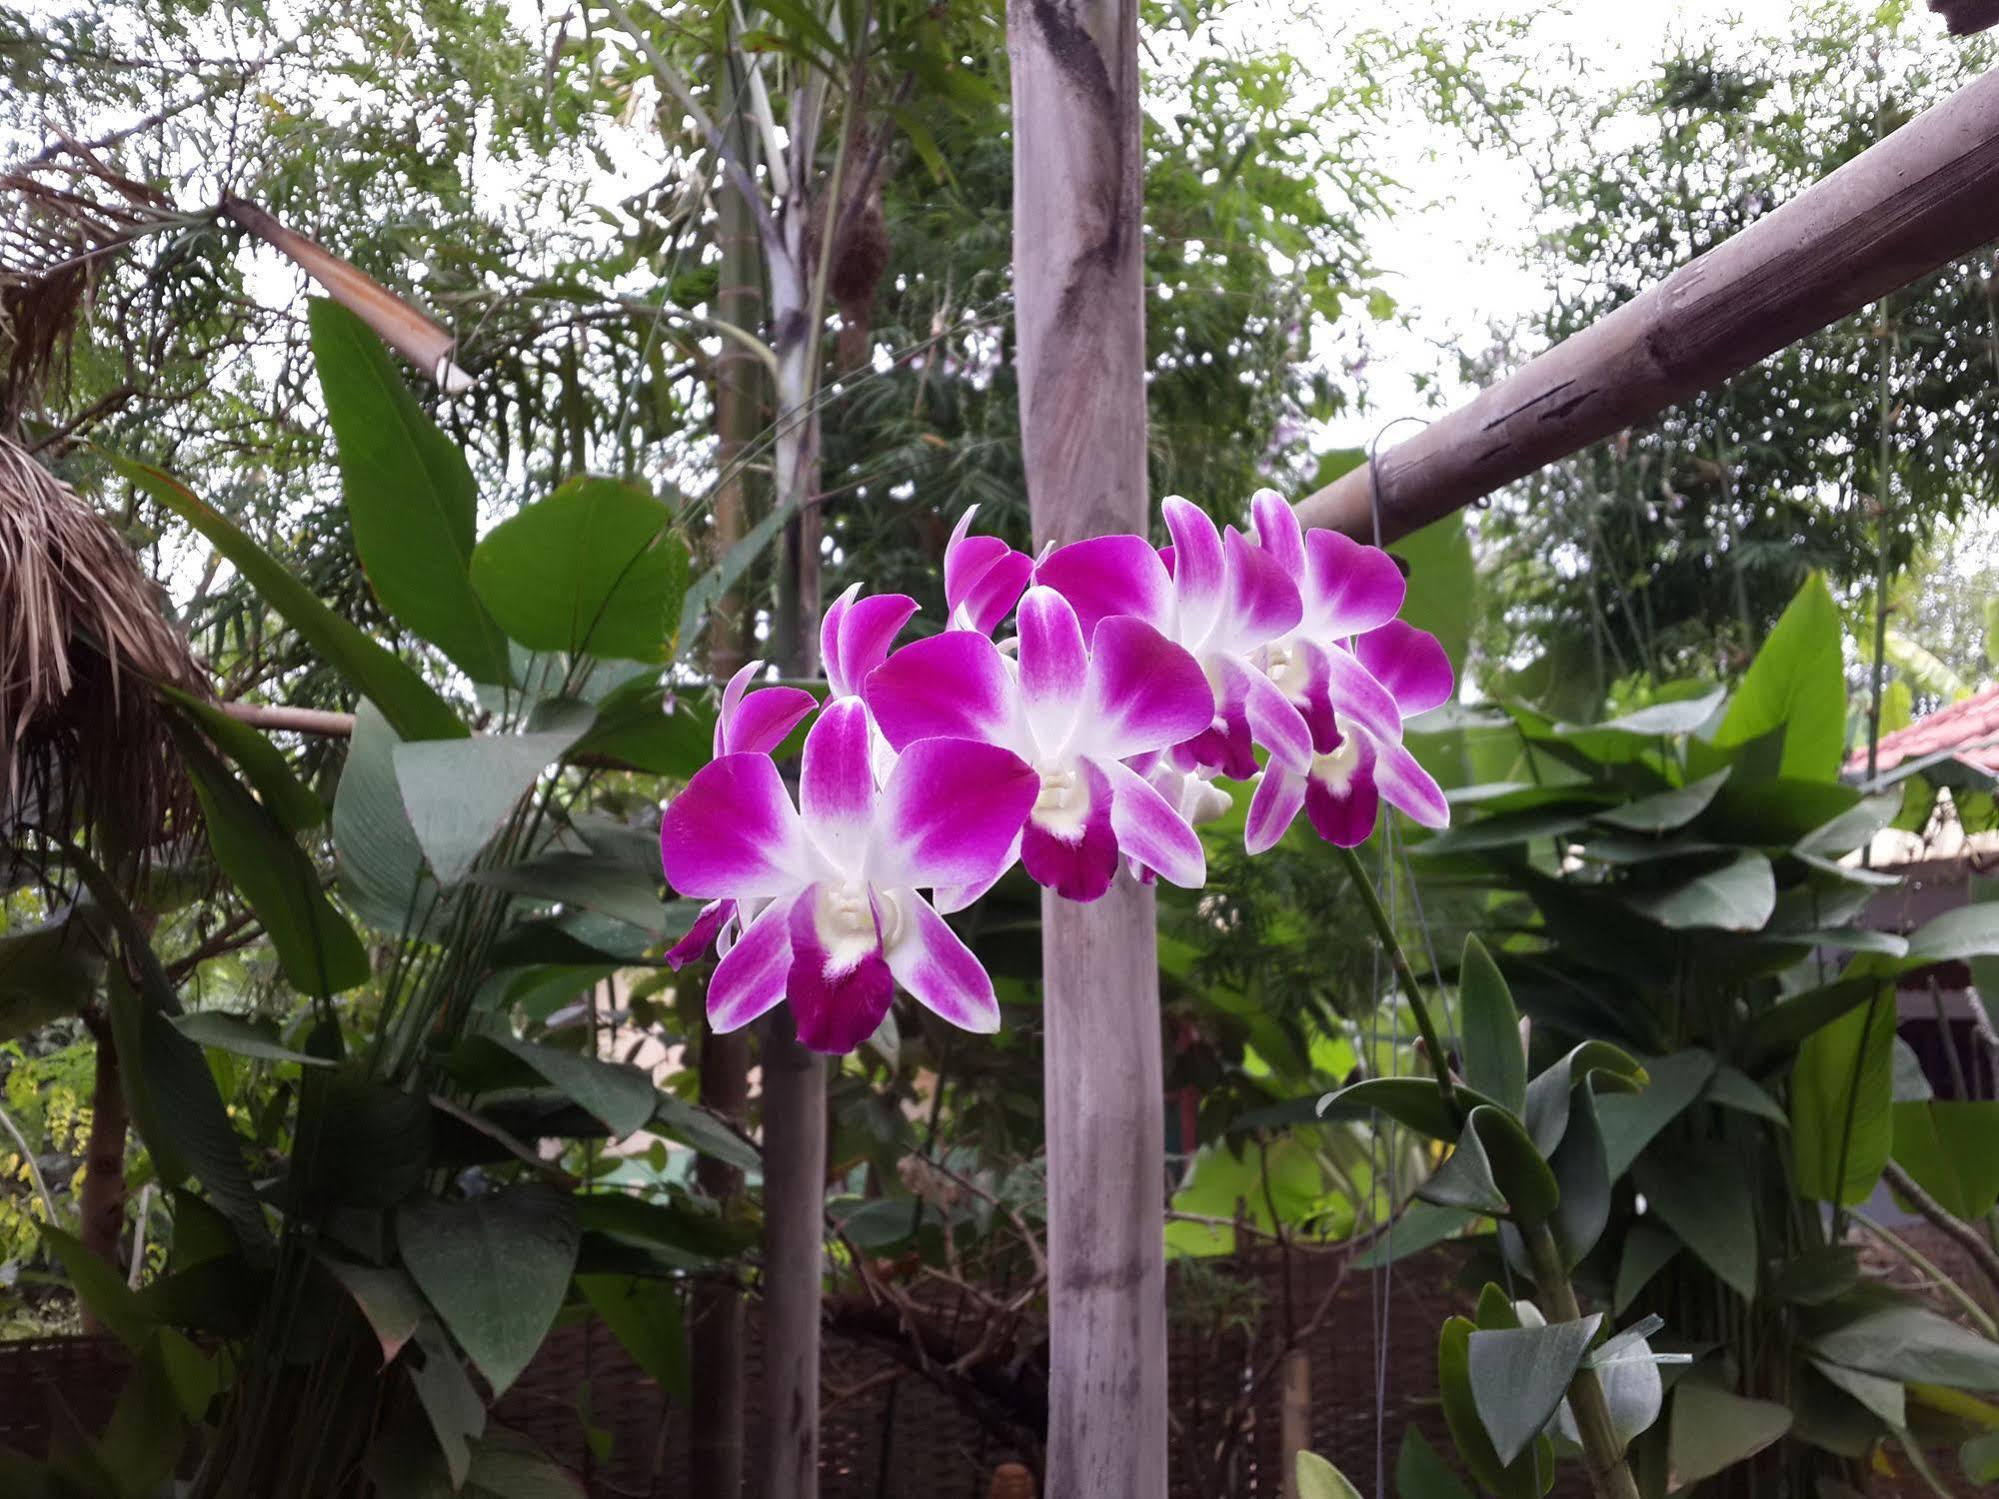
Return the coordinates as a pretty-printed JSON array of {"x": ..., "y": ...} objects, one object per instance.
[
  {"x": 1351, "y": 588},
  {"x": 866, "y": 632},
  {"x": 1277, "y": 530},
  {"x": 1344, "y": 818},
  {"x": 732, "y": 695},
  {"x": 830, "y": 623},
  {"x": 1198, "y": 568},
  {"x": 949, "y": 814},
  {"x": 1054, "y": 667},
  {"x": 750, "y": 978},
  {"x": 952, "y": 898},
  {"x": 1078, "y": 865},
  {"x": 1355, "y": 695},
  {"x": 950, "y": 686},
  {"x": 1263, "y": 602},
  {"x": 1410, "y": 663},
  {"x": 1146, "y": 693},
  {"x": 933, "y": 964},
  {"x": 1409, "y": 786},
  {"x": 1273, "y": 808},
  {"x": 837, "y": 785},
  {"x": 983, "y": 576},
  {"x": 1149, "y": 829},
  {"x": 995, "y": 594},
  {"x": 1274, "y": 720},
  {"x": 838, "y": 997},
  {"x": 700, "y": 936},
  {"x": 1109, "y": 575},
  {"x": 761, "y": 721},
  {"x": 733, "y": 832}
]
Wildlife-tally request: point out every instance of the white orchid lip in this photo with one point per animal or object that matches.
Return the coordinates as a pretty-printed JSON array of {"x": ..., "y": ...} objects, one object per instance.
[
  {"x": 844, "y": 916},
  {"x": 1063, "y": 803},
  {"x": 1335, "y": 770}
]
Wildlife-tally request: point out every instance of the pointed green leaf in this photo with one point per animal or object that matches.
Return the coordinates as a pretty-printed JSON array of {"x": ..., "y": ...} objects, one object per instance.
[
  {"x": 1737, "y": 897},
  {"x": 1519, "y": 1376},
  {"x": 1796, "y": 685},
  {"x": 1842, "y": 1095},
  {"x": 281, "y": 792},
  {"x": 1701, "y": 1193},
  {"x": 1494, "y": 1056},
  {"x": 1319, "y": 1479},
  {"x": 1952, "y": 1150},
  {"x": 1646, "y": 1252},
  {"x": 645, "y": 1317},
  {"x": 1420, "y": 1473},
  {"x": 1631, "y": 1121},
  {"x": 1665, "y": 811},
  {"x": 1714, "y": 1429},
  {"x": 1886, "y": 1398},
  {"x": 1912, "y": 1343},
  {"x": 457, "y": 793}
]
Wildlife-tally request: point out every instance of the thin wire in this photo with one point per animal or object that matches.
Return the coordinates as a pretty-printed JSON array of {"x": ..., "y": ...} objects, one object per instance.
[{"x": 1374, "y": 466}]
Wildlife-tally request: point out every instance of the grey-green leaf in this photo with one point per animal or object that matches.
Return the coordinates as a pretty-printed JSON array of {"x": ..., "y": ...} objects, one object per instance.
[
  {"x": 1702, "y": 1195},
  {"x": 1519, "y": 1376},
  {"x": 458, "y": 792},
  {"x": 1715, "y": 1429},
  {"x": 1495, "y": 1059}
]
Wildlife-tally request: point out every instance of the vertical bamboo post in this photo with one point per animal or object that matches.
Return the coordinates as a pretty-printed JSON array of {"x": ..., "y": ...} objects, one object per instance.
[
  {"x": 1080, "y": 322},
  {"x": 1295, "y": 1415}
]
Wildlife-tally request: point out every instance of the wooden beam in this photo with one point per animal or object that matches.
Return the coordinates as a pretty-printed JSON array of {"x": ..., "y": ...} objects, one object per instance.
[{"x": 1915, "y": 201}]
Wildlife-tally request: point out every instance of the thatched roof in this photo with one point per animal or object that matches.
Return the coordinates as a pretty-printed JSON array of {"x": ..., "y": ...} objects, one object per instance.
[{"x": 84, "y": 748}]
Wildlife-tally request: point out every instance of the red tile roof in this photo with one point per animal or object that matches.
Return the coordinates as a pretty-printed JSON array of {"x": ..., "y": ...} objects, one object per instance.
[{"x": 1967, "y": 729}]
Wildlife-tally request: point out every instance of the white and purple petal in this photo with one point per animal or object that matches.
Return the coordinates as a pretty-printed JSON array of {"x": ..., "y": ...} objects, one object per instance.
[
  {"x": 1263, "y": 602},
  {"x": 933, "y": 964},
  {"x": 839, "y": 984},
  {"x": 1110, "y": 575},
  {"x": 700, "y": 936},
  {"x": 1075, "y": 852},
  {"x": 1407, "y": 785},
  {"x": 733, "y": 832},
  {"x": 1274, "y": 720},
  {"x": 950, "y": 686},
  {"x": 857, "y": 640},
  {"x": 837, "y": 785},
  {"x": 950, "y": 813},
  {"x": 1151, "y": 830},
  {"x": 1278, "y": 532},
  {"x": 1199, "y": 570},
  {"x": 1410, "y": 663},
  {"x": 1357, "y": 698},
  {"x": 1145, "y": 693},
  {"x": 983, "y": 577},
  {"x": 1349, "y": 588},
  {"x": 1054, "y": 667},
  {"x": 750, "y": 979}
]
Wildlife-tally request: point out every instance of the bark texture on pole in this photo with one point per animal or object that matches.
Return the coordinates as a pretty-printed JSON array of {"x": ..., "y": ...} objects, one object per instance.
[
  {"x": 1915, "y": 201},
  {"x": 103, "y": 1194},
  {"x": 794, "y": 1116},
  {"x": 1080, "y": 310}
]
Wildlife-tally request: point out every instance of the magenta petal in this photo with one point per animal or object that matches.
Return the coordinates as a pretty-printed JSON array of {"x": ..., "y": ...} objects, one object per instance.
[
  {"x": 1150, "y": 829},
  {"x": 837, "y": 786},
  {"x": 837, "y": 998},
  {"x": 1146, "y": 693},
  {"x": 1356, "y": 696},
  {"x": 1277, "y": 530},
  {"x": 1109, "y": 575},
  {"x": 866, "y": 633},
  {"x": 1274, "y": 721},
  {"x": 700, "y": 936},
  {"x": 1080, "y": 865},
  {"x": 1410, "y": 663},
  {"x": 731, "y": 696},
  {"x": 994, "y": 595},
  {"x": 1263, "y": 601},
  {"x": 761, "y": 720},
  {"x": 1054, "y": 667},
  {"x": 1273, "y": 808},
  {"x": 950, "y": 686},
  {"x": 1409, "y": 786},
  {"x": 950, "y": 813},
  {"x": 1349, "y": 588},
  {"x": 1198, "y": 568},
  {"x": 733, "y": 832},
  {"x": 1345, "y": 817},
  {"x": 830, "y": 624},
  {"x": 751, "y": 976},
  {"x": 928, "y": 959},
  {"x": 983, "y": 577}
]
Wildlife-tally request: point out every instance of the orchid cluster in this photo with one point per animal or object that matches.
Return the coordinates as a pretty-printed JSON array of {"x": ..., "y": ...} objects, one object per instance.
[{"x": 1092, "y": 736}]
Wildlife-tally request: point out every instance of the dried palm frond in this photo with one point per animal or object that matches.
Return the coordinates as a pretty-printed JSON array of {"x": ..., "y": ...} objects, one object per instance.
[{"x": 84, "y": 746}]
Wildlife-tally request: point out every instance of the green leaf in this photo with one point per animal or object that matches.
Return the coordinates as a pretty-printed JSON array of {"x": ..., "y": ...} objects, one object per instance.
[
  {"x": 1582, "y": 1178},
  {"x": 1495, "y": 1170},
  {"x": 387, "y": 1298},
  {"x": 724, "y": 575},
  {"x": 1952, "y": 1150},
  {"x": 596, "y": 884},
  {"x": 506, "y": 1465},
  {"x": 1774, "y": 1034},
  {"x": 640, "y": 726},
  {"x": 295, "y": 808},
  {"x": 449, "y": 1399},
  {"x": 1443, "y": 582},
  {"x": 1646, "y": 1252},
  {"x": 1607, "y": 1068},
  {"x": 1319, "y": 1479},
  {"x": 243, "y": 1036},
  {"x": 1475, "y": 1449},
  {"x": 378, "y": 859},
  {"x": 700, "y": 1130},
  {"x": 1701, "y": 1193},
  {"x": 1419, "y": 1226},
  {"x": 1678, "y": 715},
  {"x": 1666, "y": 810},
  {"x": 1842, "y": 1094},
  {"x": 1796, "y": 684},
  {"x": 1979, "y": 1457},
  {"x": 1631, "y": 1121},
  {"x": 458, "y": 792},
  {"x": 1737, "y": 897},
  {"x": 360, "y": 1143},
  {"x": 623, "y": 1097},
  {"x": 316, "y": 947},
  {"x": 495, "y": 1267},
  {"x": 1494, "y": 1056},
  {"x": 1520, "y": 1375},
  {"x": 1885, "y": 1398},
  {"x": 1414, "y": 1101},
  {"x": 645, "y": 1317},
  {"x": 1967, "y": 931},
  {"x": 1713, "y": 1429},
  {"x": 100, "y": 1288},
  {"x": 593, "y": 568},
  {"x": 1912, "y": 1343},
  {"x": 1420, "y": 1473},
  {"x": 411, "y": 499},
  {"x": 48, "y": 971},
  {"x": 404, "y": 697}
]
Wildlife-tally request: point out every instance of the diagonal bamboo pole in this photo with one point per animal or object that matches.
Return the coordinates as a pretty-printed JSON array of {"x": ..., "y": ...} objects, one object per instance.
[{"x": 1914, "y": 201}]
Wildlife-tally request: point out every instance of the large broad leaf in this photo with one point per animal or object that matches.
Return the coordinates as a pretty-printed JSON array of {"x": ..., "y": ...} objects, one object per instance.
[
  {"x": 1885, "y": 1398},
  {"x": 595, "y": 567},
  {"x": 1968, "y": 931},
  {"x": 100, "y": 1289},
  {"x": 1913, "y": 1343},
  {"x": 1420, "y": 1473},
  {"x": 699, "y": 1130},
  {"x": 411, "y": 499},
  {"x": 457, "y": 794},
  {"x": 316, "y": 947},
  {"x": 1952, "y": 1150},
  {"x": 1736, "y": 897},
  {"x": 495, "y": 1267},
  {"x": 295, "y": 807},
  {"x": 1646, "y": 1252},
  {"x": 360, "y": 1143},
  {"x": 1701, "y": 1193},
  {"x": 1715, "y": 1429},
  {"x": 1494, "y": 1055},
  {"x": 256, "y": 1037},
  {"x": 1666, "y": 810},
  {"x": 48, "y": 971},
  {"x": 376, "y": 853},
  {"x": 405, "y": 699},
  {"x": 1319, "y": 1479},
  {"x": 1842, "y": 1096},
  {"x": 450, "y": 1399},
  {"x": 623, "y": 1097},
  {"x": 1770, "y": 1037},
  {"x": 386, "y": 1297},
  {"x": 1520, "y": 1375},
  {"x": 602, "y": 885},
  {"x": 1796, "y": 685},
  {"x": 645, "y": 1317},
  {"x": 1630, "y": 1121},
  {"x": 640, "y": 726}
]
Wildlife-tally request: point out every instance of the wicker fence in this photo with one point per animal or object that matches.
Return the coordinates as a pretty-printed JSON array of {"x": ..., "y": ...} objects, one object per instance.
[{"x": 890, "y": 1432}]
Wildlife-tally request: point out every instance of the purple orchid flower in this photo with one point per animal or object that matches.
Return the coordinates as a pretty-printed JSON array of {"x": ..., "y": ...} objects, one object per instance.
[
  {"x": 855, "y": 635},
  {"x": 983, "y": 577},
  {"x": 830, "y": 886},
  {"x": 1074, "y": 714},
  {"x": 1219, "y": 598},
  {"x": 753, "y": 723}
]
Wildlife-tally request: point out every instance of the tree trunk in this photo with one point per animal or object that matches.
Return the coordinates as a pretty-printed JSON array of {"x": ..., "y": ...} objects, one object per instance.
[
  {"x": 794, "y": 1112},
  {"x": 103, "y": 1196},
  {"x": 1080, "y": 310}
]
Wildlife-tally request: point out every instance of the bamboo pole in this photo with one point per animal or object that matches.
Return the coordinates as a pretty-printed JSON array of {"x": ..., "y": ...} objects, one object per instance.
[
  {"x": 1080, "y": 321},
  {"x": 1915, "y": 201}
]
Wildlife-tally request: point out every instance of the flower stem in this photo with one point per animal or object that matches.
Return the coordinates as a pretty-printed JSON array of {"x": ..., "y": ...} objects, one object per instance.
[
  {"x": 1609, "y": 1474},
  {"x": 1385, "y": 929}
]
